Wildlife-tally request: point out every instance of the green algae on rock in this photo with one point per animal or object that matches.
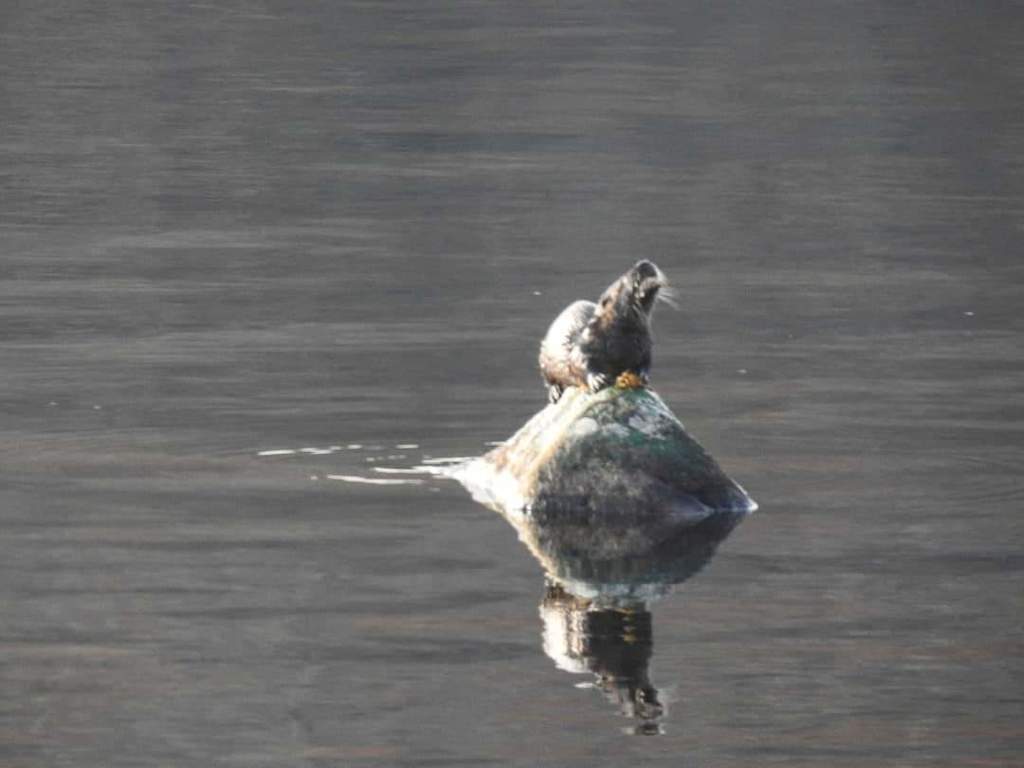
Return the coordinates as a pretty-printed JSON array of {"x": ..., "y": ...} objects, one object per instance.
[{"x": 594, "y": 464}]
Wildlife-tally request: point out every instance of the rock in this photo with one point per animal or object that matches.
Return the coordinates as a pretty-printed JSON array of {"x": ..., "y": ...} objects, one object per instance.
[{"x": 602, "y": 477}]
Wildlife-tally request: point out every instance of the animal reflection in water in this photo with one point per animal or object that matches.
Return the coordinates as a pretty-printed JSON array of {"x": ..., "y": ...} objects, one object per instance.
[
  {"x": 595, "y": 608},
  {"x": 615, "y": 644}
]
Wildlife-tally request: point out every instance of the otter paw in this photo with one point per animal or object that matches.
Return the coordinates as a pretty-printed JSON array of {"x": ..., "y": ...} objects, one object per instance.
[
  {"x": 554, "y": 393},
  {"x": 596, "y": 382},
  {"x": 631, "y": 380}
]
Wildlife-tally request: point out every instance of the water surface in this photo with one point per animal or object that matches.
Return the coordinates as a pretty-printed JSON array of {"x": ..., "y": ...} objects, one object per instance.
[{"x": 245, "y": 227}]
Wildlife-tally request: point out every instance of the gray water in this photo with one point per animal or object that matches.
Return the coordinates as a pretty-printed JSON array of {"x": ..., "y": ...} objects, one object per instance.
[{"x": 241, "y": 227}]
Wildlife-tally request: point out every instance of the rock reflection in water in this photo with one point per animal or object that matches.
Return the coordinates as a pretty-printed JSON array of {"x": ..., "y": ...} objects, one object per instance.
[
  {"x": 618, "y": 503},
  {"x": 595, "y": 606},
  {"x": 602, "y": 572}
]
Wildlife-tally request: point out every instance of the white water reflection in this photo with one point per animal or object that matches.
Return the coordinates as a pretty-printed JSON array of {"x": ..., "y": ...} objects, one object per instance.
[{"x": 373, "y": 480}]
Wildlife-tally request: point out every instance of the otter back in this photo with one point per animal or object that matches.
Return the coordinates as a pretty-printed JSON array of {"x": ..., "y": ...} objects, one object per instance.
[{"x": 561, "y": 360}]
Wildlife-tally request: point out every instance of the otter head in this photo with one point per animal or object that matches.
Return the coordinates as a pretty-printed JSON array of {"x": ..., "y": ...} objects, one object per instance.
[
  {"x": 648, "y": 284},
  {"x": 632, "y": 296}
]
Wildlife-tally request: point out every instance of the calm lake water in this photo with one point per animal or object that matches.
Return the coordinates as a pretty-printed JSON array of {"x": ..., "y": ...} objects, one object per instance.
[{"x": 246, "y": 227}]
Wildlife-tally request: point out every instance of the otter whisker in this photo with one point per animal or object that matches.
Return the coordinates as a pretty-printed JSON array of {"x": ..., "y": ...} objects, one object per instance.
[{"x": 669, "y": 296}]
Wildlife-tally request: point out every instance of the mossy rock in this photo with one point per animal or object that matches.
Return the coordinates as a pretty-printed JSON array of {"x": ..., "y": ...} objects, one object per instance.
[{"x": 607, "y": 475}]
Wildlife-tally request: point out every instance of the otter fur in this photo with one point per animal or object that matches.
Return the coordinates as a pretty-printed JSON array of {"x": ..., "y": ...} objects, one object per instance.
[{"x": 591, "y": 345}]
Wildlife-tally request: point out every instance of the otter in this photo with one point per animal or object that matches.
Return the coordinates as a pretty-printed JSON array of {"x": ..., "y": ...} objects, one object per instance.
[{"x": 596, "y": 345}]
